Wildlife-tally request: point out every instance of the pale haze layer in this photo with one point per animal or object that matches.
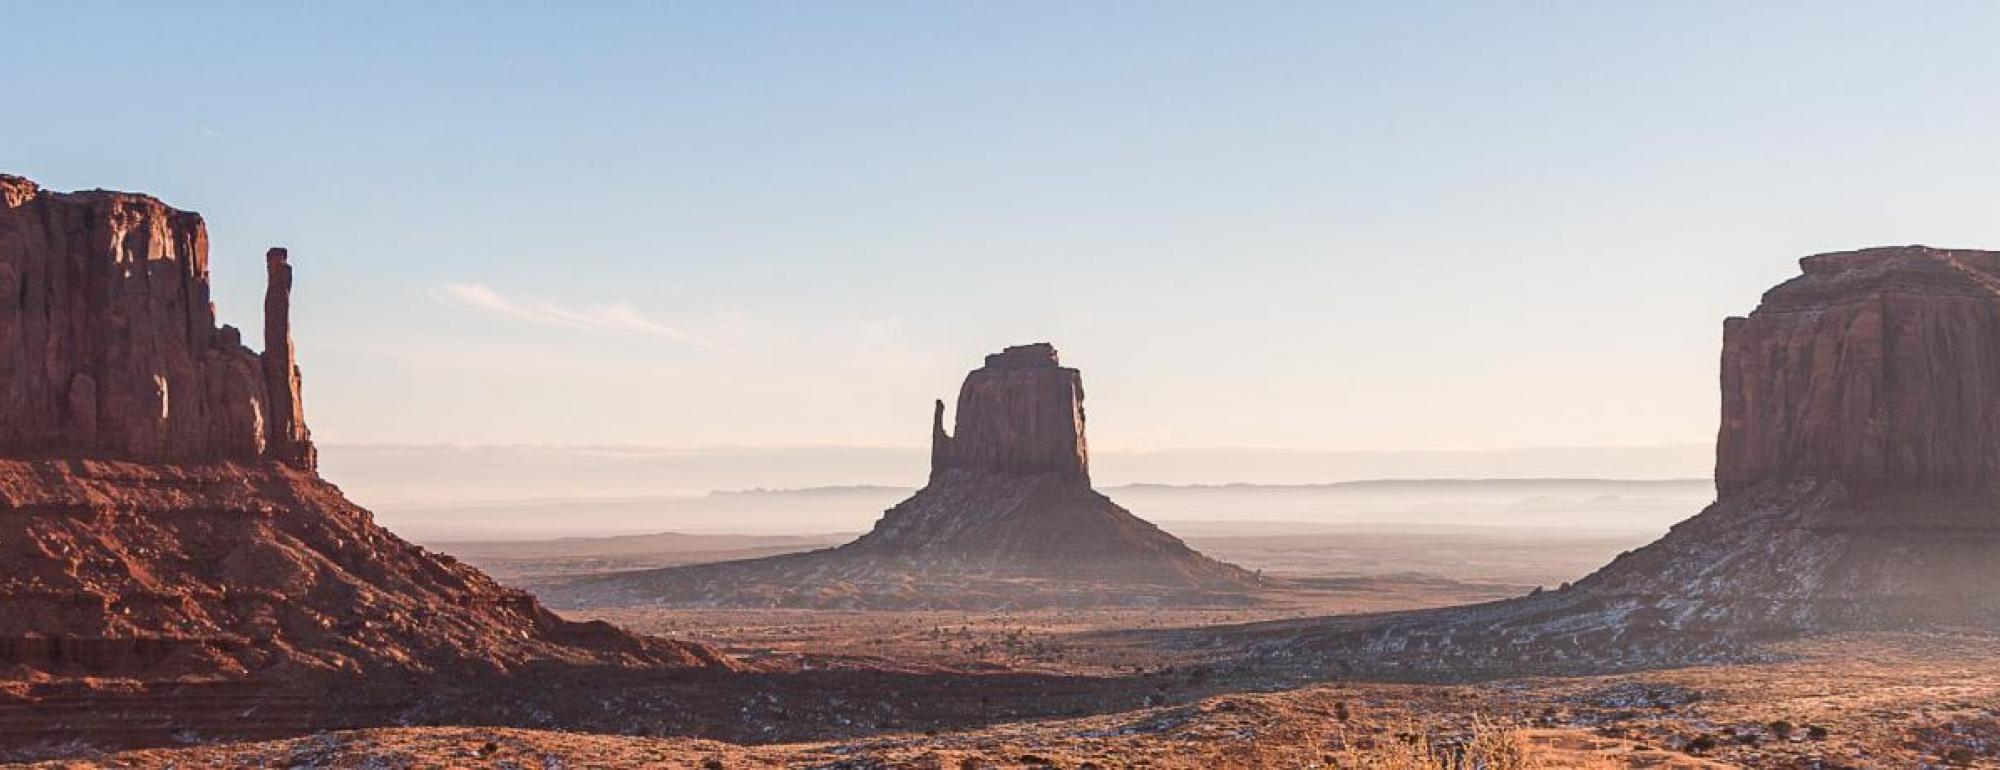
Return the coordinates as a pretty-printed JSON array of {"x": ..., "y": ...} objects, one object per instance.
[{"x": 1407, "y": 227}]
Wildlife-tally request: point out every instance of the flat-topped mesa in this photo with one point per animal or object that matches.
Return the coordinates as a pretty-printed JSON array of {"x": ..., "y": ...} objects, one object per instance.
[
  {"x": 109, "y": 345},
  {"x": 1878, "y": 368},
  {"x": 1020, "y": 413}
]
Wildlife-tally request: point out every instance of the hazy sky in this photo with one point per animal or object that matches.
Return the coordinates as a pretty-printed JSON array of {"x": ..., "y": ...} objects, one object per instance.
[{"x": 1312, "y": 225}]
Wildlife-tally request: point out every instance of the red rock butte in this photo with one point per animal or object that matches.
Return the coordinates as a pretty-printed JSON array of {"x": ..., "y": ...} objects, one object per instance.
[
  {"x": 1008, "y": 518},
  {"x": 1020, "y": 413},
  {"x": 1856, "y": 471},
  {"x": 175, "y": 565},
  {"x": 1877, "y": 368},
  {"x": 108, "y": 340}
]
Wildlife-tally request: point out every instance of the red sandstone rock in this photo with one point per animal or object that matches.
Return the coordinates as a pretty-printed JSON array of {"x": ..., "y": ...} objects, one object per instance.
[
  {"x": 1020, "y": 413},
  {"x": 163, "y": 528},
  {"x": 1856, "y": 471},
  {"x": 1877, "y": 368},
  {"x": 287, "y": 437},
  {"x": 108, "y": 342},
  {"x": 162, "y": 571}
]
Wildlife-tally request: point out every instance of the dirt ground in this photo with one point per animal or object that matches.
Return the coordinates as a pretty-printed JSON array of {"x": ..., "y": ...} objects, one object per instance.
[
  {"x": 1114, "y": 699},
  {"x": 1062, "y": 641},
  {"x": 1903, "y": 701}
]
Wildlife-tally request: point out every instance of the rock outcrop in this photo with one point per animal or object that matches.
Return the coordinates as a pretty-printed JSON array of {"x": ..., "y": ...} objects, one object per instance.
[
  {"x": 1879, "y": 369},
  {"x": 1020, "y": 413},
  {"x": 1855, "y": 478},
  {"x": 109, "y": 345},
  {"x": 1007, "y": 519},
  {"x": 174, "y": 564},
  {"x": 287, "y": 439}
]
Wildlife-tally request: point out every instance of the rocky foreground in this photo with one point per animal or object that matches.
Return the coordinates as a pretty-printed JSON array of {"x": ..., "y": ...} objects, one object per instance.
[{"x": 1843, "y": 702}]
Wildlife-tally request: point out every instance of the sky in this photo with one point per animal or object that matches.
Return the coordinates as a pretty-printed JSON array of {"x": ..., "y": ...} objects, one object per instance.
[{"x": 1328, "y": 226}]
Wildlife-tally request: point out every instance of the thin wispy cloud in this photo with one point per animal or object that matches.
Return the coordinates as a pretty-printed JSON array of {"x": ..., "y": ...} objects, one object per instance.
[{"x": 611, "y": 318}]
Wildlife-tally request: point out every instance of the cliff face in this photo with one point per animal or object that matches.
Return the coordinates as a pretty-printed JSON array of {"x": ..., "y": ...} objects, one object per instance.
[
  {"x": 1020, "y": 413},
  {"x": 1879, "y": 369},
  {"x": 108, "y": 342}
]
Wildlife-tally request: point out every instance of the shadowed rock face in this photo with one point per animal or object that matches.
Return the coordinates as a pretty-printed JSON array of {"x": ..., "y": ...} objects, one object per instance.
[
  {"x": 1020, "y": 413},
  {"x": 1010, "y": 488},
  {"x": 1855, "y": 469},
  {"x": 108, "y": 342},
  {"x": 1879, "y": 369},
  {"x": 1008, "y": 519}
]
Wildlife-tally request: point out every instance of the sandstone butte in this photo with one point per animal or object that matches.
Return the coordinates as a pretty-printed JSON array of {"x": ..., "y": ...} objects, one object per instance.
[
  {"x": 1858, "y": 489},
  {"x": 175, "y": 565},
  {"x": 1008, "y": 518}
]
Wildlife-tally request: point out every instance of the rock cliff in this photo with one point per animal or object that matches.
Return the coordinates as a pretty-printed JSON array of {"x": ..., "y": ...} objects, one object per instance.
[
  {"x": 1877, "y": 368},
  {"x": 109, "y": 345},
  {"x": 1020, "y": 413}
]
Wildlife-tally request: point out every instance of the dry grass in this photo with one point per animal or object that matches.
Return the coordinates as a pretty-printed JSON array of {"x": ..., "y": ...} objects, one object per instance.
[{"x": 1487, "y": 747}]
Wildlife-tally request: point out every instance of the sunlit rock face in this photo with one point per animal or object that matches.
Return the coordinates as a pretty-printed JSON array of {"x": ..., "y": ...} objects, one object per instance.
[
  {"x": 1879, "y": 369},
  {"x": 108, "y": 342},
  {"x": 174, "y": 564}
]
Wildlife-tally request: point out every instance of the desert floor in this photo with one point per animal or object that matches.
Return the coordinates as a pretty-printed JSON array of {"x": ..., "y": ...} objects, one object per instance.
[{"x": 1888, "y": 701}]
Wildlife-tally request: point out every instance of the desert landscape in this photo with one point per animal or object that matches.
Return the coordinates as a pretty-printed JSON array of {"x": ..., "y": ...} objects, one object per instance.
[
  {"x": 703, "y": 386},
  {"x": 182, "y": 576}
]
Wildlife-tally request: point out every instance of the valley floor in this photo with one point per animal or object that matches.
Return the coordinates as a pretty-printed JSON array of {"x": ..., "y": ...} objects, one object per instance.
[
  {"x": 1887, "y": 701},
  {"x": 1111, "y": 688}
]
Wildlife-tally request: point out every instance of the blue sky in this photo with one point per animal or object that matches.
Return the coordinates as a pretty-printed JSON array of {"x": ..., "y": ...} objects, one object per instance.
[{"x": 1313, "y": 225}]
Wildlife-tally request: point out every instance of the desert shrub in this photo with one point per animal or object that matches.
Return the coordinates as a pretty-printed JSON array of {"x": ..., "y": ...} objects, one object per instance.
[{"x": 1487, "y": 747}]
